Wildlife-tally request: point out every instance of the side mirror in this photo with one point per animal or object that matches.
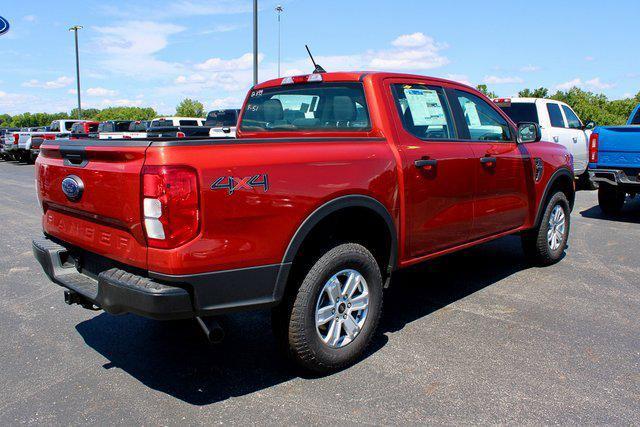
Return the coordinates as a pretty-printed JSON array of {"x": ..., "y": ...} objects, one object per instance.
[
  {"x": 528, "y": 132},
  {"x": 590, "y": 125}
]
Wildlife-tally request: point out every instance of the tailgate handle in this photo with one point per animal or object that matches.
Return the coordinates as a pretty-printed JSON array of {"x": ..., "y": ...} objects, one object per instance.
[{"x": 74, "y": 156}]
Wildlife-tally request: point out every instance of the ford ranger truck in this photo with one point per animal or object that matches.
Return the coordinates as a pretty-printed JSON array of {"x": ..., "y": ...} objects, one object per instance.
[
  {"x": 336, "y": 180},
  {"x": 614, "y": 163}
]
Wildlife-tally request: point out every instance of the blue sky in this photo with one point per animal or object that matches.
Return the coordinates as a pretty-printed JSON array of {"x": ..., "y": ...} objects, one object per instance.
[{"x": 155, "y": 53}]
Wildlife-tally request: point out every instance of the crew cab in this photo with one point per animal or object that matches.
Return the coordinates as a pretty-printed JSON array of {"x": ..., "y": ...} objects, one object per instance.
[
  {"x": 123, "y": 129},
  {"x": 335, "y": 181},
  {"x": 559, "y": 123},
  {"x": 614, "y": 163},
  {"x": 177, "y": 127},
  {"x": 222, "y": 123}
]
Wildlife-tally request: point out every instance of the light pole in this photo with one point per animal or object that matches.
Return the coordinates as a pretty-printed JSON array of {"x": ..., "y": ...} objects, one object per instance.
[
  {"x": 75, "y": 31},
  {"x": 255, "y": 42},
  {"x": 279, "y": 10}
]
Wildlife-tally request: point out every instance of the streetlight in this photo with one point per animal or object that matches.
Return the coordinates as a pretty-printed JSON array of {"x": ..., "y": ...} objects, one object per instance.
[
  {"x": 279, "y": 10},
  {"x": 255, "y": 42},
  {"x": 75, "y": 31}
]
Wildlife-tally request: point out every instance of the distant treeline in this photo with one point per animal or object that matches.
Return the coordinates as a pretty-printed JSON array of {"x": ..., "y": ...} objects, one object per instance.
[{"x": 588, "y": 105}]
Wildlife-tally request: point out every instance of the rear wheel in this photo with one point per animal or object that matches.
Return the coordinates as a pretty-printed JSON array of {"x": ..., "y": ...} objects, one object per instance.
[
  {"x": 611, "y": 199},
  {"x": 329, "y": 321},
  {"x": 546, "y": 244}
]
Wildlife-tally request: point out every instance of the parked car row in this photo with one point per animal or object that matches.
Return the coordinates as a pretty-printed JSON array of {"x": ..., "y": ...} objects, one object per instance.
[{"x": 24, "y": 144}]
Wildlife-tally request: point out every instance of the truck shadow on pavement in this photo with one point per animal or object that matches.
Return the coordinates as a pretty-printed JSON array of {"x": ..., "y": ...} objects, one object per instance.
[
  {"x": 630, "y": 213},
  {"x": 174, "y": 357}
]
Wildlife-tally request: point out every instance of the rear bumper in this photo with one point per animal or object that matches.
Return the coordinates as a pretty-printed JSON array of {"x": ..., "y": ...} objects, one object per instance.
[
  {"x": 614, "y": 177},
  {"x": 156, "y": 295}
]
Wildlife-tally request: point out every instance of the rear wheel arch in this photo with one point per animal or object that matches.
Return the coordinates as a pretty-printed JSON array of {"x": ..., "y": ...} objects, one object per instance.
[{"x": 346, "y": 218}]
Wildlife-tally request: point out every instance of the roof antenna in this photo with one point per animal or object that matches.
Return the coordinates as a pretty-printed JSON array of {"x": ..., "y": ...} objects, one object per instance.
[{"x": 318, "y": 68}]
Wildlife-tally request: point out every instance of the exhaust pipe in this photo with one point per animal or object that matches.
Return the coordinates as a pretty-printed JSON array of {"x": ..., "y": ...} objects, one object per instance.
[{"x": 212, "y": 329}]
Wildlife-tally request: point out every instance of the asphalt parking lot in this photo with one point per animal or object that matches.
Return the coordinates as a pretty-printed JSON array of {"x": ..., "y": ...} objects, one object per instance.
[{"x": 475, "y": 337}]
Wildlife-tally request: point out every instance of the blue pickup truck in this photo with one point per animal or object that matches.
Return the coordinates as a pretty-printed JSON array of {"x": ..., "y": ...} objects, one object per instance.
[{"x": 614, "y": 163}]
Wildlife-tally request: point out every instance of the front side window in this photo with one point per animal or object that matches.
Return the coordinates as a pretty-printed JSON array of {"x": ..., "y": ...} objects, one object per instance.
[
  {"x": 484, "y": 123},
  {"x": 424, "y": 111},
  {"x": 307, "y": 107},
  {"x": 55, "y": 127},
  {"x": 555, "y": 115},
  {"x": 572, "y": 120},
  {"x": 636, "y": 118}
]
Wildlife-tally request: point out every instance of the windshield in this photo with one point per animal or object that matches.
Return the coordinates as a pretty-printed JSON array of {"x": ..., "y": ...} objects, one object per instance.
[
  {"x": 522, "y": 112},
  {"x": 636, "y": 118},
  {"x": 304, "y": 107},
  {"x": 222, "y": 118}
]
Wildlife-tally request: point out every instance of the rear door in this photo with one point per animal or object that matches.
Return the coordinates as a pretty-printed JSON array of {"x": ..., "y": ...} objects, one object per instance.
[
  {"x": 98, "y": 207},
  {"x": 438, "y": 168},
  {"x": 499, "y": 162}
]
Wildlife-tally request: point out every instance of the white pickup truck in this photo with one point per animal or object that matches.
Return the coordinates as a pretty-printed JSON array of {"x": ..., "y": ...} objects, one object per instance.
[
  {"x": 58, "y": 129},
  {"x": 559, "y": 123},
  {"x": 122, "y": 129},
  {"x": 222, "y": 123}
]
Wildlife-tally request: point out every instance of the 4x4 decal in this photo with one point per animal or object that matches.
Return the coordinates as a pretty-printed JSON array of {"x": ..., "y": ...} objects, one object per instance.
[{"x": 232, "y": 184}]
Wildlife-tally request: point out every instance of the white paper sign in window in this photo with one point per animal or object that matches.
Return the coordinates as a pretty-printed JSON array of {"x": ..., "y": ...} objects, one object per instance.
[{"x": 426, "y": 108}]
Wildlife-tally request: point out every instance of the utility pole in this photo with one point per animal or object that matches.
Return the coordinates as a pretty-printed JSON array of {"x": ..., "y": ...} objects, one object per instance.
[
  {"x": 255, "y": 42},
  {"x": 75, "y": 31},
  {"x": 279, "y": 10}
]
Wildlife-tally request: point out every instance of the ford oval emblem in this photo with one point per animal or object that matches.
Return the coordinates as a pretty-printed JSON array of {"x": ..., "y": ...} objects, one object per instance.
[
  {"x": 4, "y": 25},
  {"x": 72, "y": 187}
]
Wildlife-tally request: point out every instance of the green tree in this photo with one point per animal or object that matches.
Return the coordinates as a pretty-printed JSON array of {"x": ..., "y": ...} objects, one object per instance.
[
  {"x": 125, "y": 113},
  {"x": 541, "y": 92},
  {"x": 190, "y": 108},
  {"x": 5, "y": 119},
  {"x": 87, "y": 113},
  {"x": 485, "y": 90}
]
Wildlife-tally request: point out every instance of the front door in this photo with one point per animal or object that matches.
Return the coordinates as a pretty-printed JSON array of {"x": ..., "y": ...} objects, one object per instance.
[
  {"x": 578, "y": 139},
  {"x": 438, "y": 169},
  {"x": 502, "y": 166}
]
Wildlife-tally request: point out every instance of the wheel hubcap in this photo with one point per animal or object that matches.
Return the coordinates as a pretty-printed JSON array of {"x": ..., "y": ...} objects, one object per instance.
[
  {"x": 342, "y": 308},
  {"x": 557, "y": 227}
]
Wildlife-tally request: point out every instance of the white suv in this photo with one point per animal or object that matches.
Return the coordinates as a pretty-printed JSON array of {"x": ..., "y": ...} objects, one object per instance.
[{"x": 558, "y": 122}]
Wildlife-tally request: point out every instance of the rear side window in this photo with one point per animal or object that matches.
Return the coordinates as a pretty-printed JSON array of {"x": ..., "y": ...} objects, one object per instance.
[
  {"x": 122, "y": 126},
  {"x": 68, "y": 125},
  {"x": 484, "y": 123},
  {"x": 522, "y": 112},
  {"x": 424, "y": 111},
  {"x": 55, "y": 127},
  {"x": 307, "y": 107},
  {"x": 555, "y": 115},
  {"x": 572, "y": 120},
  {"x": 93, "y": 127}
]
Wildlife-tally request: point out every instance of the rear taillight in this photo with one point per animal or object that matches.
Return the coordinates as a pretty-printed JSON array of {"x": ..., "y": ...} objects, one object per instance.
[
  {"x": 16, "y": 138},
  {"x": 593, "y": 148},
  {"x": 170, "y": 204},
  {"x": 50, "y": 137},
  {"x": 126, "y": 137},
  {"x": 180, "y": 135}
]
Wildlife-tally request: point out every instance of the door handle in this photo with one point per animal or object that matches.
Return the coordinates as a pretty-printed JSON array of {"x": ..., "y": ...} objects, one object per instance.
[
  {"x": 426, "y": 164},
  {"x": 556, "y": 139},
  {"x": 575, "y": 140},
  {"x": 489, "y": 162}
]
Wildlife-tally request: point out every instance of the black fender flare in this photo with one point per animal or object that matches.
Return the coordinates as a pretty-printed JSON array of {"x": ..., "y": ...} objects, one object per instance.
[
  {"x": 545, "y": 195},
  {"x": 322, "y": 212}
]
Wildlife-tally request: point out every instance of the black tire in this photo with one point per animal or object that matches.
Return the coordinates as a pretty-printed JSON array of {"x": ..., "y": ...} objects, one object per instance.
[
  {"x": 535, "y": 242},
  {"x": 584, "y": 183},
  {"x": 610, "y": 199},
  {"x": 295, "y": 320}
]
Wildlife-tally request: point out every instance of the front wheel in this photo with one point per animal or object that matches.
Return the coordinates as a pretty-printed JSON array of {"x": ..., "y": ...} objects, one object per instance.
[
  {"x": 328, "y": 323},
  {"x": 546, "y": 243}
]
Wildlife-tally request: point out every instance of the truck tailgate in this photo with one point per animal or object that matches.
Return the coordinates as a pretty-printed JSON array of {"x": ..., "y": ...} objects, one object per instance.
[
  {"x": 105, "y": 218},
  {"x": 619, "y": 146}
]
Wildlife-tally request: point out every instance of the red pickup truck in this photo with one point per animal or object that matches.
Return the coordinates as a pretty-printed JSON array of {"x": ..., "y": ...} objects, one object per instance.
[{"x": 335, "y": 181}]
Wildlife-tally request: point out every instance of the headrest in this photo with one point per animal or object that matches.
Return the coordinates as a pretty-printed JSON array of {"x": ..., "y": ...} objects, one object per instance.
[
  {"x": 272, "y": 110},
  {"x": 344, "y": 108}
]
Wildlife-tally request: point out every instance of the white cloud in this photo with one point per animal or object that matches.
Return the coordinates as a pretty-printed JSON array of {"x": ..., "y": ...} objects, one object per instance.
[
  {"x": 179, "y": 8},
  {"x": 530, "y": 68},
  {"x": 30, "y": 18},
  {"x": 411, "y": 40},
  {"x": 589, "y": 58},
  {"x": 129, "y": 48},
  {"x": 243, "y": 62},
  {"x": 593, "y": 84},
  {"x": 293, "y": 72},
  {"x": 100, "y": 92},
  {"x": 228, "y": 102},
  {"x": 460, "y": 78},
  {"x": 223, "y": 28},
  {"x": 72, "y": 92},
  {"x": 497, "y": 80},
  {"x": 58, "y": 83},
  {"x": 121, "y": 102}
]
